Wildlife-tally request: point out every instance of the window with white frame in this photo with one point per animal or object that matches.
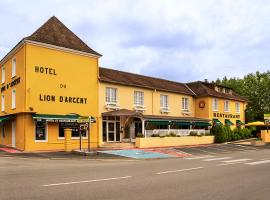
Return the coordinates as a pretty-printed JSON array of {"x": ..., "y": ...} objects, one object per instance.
[
  {"x": 13, "y": 70},
  {"x": 164, "y": 101},
  {"x": 13, "y": 99},
  {"x": 111, "y": 95},
  {"x": 237, "y": 107},
  {"x": 226, "y": 106},
  {"x": 138, "y": 98},
  {"x": 215, "y": 104},
  {"x": 3, "y": 103},
  {"x": 41, "y": 131},
  {"x": 3, "y": 75},
  {"x": 185, "y": 103}
]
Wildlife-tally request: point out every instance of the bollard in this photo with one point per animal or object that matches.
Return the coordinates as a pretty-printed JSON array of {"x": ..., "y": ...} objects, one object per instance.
[{"x": 68, "y": 144}]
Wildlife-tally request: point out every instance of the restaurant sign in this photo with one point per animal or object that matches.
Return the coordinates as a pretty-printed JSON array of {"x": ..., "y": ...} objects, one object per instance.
[{"x": 223, "y": 115}]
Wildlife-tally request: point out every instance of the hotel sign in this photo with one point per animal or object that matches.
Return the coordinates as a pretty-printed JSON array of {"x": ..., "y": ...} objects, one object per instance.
[
  {"x": 11, "y": 84},
  {"x": 224, "y": 115}
]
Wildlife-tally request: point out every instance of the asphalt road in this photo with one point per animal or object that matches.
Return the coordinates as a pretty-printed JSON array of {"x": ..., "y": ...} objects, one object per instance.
[{"x": 236, "y": 175}]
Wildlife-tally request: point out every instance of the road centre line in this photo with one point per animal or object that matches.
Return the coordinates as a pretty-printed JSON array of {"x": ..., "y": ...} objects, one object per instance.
[
  {"x": 87, "y": 181},
  {"x": 214, "y": 159},
  {"x": 198, "y": 157},
  {"x": 180, "y": 170},
  {"x": 258, "y": 162},
  {"x": 238, "y": 160}
]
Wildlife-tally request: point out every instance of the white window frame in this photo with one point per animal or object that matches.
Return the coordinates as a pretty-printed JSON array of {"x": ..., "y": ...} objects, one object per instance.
[
  {"x": 215, "y": 104},
  {"x": 13, "y": 69},
  {"x": 46, "y": 133},
  {"x": 3, "y": 103},
  {"x": 237, "y": 107},
  {"x": 138, "y": 98},
  {"x": 185, "y": 103},
  {"x": 111, "y": 95},
  {"x": 226, "y": 106},
  {"x": 13, "y": 99},
  {"x": 164, "y": 101},
  {"x": 3, "y": 70}
]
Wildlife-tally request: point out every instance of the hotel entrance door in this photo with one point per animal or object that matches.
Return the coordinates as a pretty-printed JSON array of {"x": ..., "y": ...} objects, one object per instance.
[{"x": 113, "y": 131}]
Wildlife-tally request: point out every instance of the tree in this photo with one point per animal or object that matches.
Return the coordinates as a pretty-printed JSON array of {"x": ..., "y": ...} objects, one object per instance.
[{"x": 256, "y": 88}]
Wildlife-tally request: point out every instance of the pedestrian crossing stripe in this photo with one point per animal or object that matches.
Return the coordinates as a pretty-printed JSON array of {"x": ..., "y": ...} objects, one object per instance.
[{"x": 258, "y": 162}]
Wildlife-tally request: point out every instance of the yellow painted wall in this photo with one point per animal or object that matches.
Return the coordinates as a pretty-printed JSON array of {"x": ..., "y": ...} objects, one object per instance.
[
  {"x": 151, "y": 100},
  {"x": 173, "y": 141},
  {"x": 20, "y": 88},
  {"x": 208, "y": 112}
]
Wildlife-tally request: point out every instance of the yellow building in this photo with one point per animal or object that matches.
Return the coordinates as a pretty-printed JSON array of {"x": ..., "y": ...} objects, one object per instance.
[{"x": 51, "y": 81}]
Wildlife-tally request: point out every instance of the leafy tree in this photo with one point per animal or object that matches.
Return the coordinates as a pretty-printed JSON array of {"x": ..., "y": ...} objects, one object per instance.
[{"x": 255, "y": 87}]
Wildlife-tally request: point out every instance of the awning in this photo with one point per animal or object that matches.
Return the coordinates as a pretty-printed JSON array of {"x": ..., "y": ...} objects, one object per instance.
[
  {"x": 228, "y": 122},
  {"x": 217, "y": 122},
  {"x": 239, "y": 123},
  {"x": 258, "y": 123},
  {"x": 63, "y": 118},
  {"x": 159, "y": 122},
  {"x": 6, "y": 118},
  {"x": 122, "y": 112},
  {"x": 202, "y": 124}
]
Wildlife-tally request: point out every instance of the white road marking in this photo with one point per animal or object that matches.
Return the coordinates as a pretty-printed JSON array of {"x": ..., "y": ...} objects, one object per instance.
[
  {"x": 180, "y": 170},
  {"x": 199, "y": 157},
  {"x": 213, "y": 159},
  {"x": 87, "y": 181},
  {"x": 258, "y": 162},
  {"x": 205, "y": 151},
  {"x": 234, "y": 163},
  {"x": 217, "y": 149},
  {"x": 245, "y": 148},
  {"x": 238, "y": 160}
]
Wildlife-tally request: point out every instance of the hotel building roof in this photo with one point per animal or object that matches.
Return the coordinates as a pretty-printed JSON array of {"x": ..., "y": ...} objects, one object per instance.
[{"x": 136, "y": 80}]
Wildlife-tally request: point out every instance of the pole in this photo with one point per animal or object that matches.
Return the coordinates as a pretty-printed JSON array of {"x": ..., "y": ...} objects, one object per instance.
[
  {"x": 89, "y": 131},
  {"x": 80, "y": 131}
]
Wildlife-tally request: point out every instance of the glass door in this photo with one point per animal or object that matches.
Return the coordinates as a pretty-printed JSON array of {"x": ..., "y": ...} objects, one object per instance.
[{"x": 111, "y": 129}]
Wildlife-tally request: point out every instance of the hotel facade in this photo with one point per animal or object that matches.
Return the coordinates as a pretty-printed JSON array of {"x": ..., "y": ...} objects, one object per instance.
[{"x": 51, "y": 81}]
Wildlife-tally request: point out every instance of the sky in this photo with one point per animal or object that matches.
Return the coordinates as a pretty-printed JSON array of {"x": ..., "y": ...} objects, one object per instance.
[{"x": 180, "y": 40}]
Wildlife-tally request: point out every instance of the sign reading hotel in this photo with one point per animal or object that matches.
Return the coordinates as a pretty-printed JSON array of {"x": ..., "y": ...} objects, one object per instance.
[
  {"x": 223, "y": 115},
  {"x": 60, "y": 98}
]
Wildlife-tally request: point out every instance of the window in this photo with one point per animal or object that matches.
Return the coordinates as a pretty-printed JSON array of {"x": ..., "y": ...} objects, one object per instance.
[
  {"x": 237, "y": 107},
  {"x": 74, "y": 126},
  {"x": 185, "y": 105},
  {"x": 13, "y": 71},
  {"x": 226, "y": 106},
  {"x": 41, "y": 131},
  {"x": 3, "y": 74},
  {"x": 3, "y": 103},
  {"x": 215, "y": 104},
  {"x": 111, "y": 95},
  {"x": 138, "y": 98},
  {"x": 13, "y": 100},
  {"x": 164, "y": 103}
]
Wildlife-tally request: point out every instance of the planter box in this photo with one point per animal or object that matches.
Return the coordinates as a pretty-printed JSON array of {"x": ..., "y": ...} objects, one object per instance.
[
  {"x": 257, "y": 143},
  {"x": 173, "y": 141}
]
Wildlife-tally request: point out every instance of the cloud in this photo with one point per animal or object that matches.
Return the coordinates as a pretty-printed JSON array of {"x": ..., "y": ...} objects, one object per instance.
[{"x": 174, "y": 39}]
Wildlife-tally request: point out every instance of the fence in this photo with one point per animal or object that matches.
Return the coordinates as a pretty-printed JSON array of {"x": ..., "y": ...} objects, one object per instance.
[{"x": 178, "y": 132}]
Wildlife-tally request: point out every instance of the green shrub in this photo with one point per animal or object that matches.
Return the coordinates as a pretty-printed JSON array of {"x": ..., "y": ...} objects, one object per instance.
[
  {"x": 140, "y": 135},
  {"x": 155, "y": 135},
  {"x": 171, "y": 134},
  {"x": 193, "y": 133}
]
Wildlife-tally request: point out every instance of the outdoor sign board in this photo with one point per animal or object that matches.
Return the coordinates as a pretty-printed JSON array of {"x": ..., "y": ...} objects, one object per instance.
[{"x": 267, "y": 119}]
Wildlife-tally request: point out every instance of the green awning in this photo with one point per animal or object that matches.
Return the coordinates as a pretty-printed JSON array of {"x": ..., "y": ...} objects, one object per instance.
[
  {"x": 217, "y": 122},
  {"x": 203, "y": 124},
  {"x": 62, "y": 118},
  {"x": 239, "y": 123},
  {"x": 182, "y": 123},
  {"x": 6, "y": 118},
  {"x": 228, "y": 122},
  {"x": 159, "y": 122}
]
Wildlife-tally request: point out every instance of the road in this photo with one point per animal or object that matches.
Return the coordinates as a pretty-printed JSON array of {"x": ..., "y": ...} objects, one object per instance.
[{"x": 235, "y": 175}]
